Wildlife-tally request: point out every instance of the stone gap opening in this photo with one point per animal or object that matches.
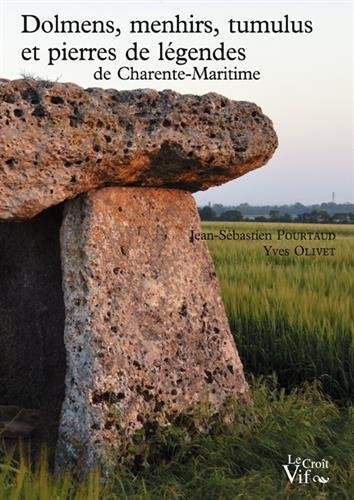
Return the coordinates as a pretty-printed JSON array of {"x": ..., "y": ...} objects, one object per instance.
[{"x": 32, "y": 354}]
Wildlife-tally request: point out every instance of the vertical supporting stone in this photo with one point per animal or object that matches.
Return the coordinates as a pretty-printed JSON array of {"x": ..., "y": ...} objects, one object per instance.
[{"x": 146, "y": 333}]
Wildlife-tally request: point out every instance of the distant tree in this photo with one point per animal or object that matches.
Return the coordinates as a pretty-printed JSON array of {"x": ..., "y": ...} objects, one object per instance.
[
  {"x": 285, "y": 218},
  {"x": 231, "y": 215},
  {"x": 260, "y": 218},
  {"x": 323, "y": 216},
  {"x": 315, "y": 216},
  {"x": 343, "y": 218},
  {"x": 310, "y": 216},
  {"x": 298, "y": 206},
  {"x": 207, "y": 213},
  {"x": 274, "y": 215},
  {"x": 218, "y": 208}
]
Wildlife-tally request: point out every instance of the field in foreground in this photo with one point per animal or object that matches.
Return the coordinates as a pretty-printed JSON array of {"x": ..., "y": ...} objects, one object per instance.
[
  {"x": 242, "y": 461},
  {"x": 291, "y": 316}
]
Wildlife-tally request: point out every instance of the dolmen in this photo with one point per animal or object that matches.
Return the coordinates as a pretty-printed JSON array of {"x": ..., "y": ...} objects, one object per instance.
[{"x": 99, "y": 278}]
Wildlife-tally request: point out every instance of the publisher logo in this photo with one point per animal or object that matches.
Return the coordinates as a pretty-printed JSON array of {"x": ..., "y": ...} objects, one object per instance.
[{"x": 305, "y": 470}]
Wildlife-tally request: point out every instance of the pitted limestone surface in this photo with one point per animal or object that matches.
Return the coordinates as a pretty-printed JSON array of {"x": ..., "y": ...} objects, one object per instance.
[
  {"x": 58, "y": 140},
  {"x": 146, "y": 333}
]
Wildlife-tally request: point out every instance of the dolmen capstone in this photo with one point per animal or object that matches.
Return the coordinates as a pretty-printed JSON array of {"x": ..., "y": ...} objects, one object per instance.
[{"x": 145, "y": 331}]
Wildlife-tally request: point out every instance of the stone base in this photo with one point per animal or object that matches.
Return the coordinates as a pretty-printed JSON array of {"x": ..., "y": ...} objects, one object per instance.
[{"x": 146, "y": 332}]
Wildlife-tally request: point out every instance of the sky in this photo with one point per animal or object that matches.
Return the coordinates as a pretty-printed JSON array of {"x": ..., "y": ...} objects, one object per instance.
[{"x": 306, "y": 84}]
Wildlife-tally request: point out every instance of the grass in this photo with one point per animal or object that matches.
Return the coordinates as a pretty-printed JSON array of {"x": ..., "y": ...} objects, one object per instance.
[
  {"x": 239, "y": 461},
  {"x": 291, "y": 316}
]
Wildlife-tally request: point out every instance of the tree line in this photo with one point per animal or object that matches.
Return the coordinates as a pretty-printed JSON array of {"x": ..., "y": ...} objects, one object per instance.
[{"x": 274, "y": 214}]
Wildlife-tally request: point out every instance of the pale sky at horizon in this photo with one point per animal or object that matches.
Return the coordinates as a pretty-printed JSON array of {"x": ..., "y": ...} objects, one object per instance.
[{"x": 306, "y": 86}]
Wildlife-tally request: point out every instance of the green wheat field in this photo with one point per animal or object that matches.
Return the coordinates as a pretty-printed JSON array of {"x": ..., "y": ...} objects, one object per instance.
[
  {"x": 292, "y": 318},
  {"x": 292, "y": 315}
]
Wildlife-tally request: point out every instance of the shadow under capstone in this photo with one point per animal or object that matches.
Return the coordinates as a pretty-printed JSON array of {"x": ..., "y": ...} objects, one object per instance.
[{"x": 32, "y": 354}]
